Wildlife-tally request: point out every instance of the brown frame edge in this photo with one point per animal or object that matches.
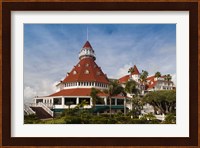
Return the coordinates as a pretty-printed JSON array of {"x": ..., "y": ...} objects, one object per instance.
[{"x": 7, "y": 7}]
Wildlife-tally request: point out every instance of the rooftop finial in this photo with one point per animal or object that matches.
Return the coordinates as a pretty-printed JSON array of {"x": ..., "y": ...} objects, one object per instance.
[{"x": 87, "y": 33}]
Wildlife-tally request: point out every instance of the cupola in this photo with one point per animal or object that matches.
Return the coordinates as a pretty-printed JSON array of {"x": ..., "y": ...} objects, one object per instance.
[{"x": 87, "y": 51}]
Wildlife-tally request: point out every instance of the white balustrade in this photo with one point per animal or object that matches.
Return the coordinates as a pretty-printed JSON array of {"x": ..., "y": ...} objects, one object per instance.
[
  {"x": 28, "y": 110},
  {"x": 46, "y": 108}
]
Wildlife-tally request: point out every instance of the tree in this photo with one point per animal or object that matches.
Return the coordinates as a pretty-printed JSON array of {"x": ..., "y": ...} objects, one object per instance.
[
  {"x": 136, "y": 105},
  {"x": 94, "y": 94},
  {"x": 157, "y": 74},
  {"x": 131, "y": 87},
  {"x": 144, "y": 76},
  {"x": 131, "y": 70},
  {"x": 164, "y": 100},
  {"x": 168, "y": 78},
  {"x": 113, "y": 89}
]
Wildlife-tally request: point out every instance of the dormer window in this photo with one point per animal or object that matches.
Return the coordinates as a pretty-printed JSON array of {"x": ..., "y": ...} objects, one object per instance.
[
  {"x": 87, "y": 72},
  {"x": 74, "y": 72}
]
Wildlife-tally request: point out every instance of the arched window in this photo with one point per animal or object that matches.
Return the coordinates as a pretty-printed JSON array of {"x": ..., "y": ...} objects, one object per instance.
[
  {"x": 74, "y": 72},
  {"x": 87, "y": 65}
]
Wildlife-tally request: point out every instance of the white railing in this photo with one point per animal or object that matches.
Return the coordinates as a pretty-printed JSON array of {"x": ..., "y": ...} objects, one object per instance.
[
  {"x": 160, "y": 117},
  {"x": 28, "y": 110},
  {"x": 46, "y": 108}
]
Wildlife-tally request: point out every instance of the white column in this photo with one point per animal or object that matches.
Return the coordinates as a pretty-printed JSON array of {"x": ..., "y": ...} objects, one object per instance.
[
  {"x": 63, "y": 101},
  {"x": 77, "y": 100},
  {"x": 124, "y": 106},
  {"x": 105, "y": 101},
  {"x": 115, "y": 101},
  {"x": 91, "y": 101}
]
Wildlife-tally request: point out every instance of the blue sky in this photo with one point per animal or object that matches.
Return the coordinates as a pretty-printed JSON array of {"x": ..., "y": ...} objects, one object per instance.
[{"x": 51, "y": 50}]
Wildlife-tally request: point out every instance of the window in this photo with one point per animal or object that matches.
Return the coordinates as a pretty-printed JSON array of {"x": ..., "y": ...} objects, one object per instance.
[
  {"x": 86, "y": 99},
  {"x": 70, "y": 101},
  {"x": 120, "y": 101},
  {"x": 57, "y": 101},
  {"x": 39, "y": 100},
  {"x": 74, "y": 72},
  {"x": 87, "y": 65},
  {"x": 100, "y": 101},
  {"x": 79, "y": 65},
  {"x": 98, "y": 73},
  {"x": 87, "y": 72},
  {"x": 112, "y": 101}
]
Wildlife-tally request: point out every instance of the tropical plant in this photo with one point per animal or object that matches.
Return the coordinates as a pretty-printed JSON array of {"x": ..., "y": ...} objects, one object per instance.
[
  {"x": 94, "y": 94},
  {"x": 168, "y": 78},
  {"x": 164, "y": 100},
  {"x": 131, "y": 70},
  {"x": 170, "y": 118},
  {"x": 143, "y": 76},
  {"x": 157, "y": 74},
  {"x": 31, "y": 119},
  {"x": 131, "y": 87},
  {"x": 113, "y": 89}
]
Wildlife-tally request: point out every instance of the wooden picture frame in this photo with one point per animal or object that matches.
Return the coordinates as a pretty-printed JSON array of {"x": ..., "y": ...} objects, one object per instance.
[{"x": 7, "y": 7}]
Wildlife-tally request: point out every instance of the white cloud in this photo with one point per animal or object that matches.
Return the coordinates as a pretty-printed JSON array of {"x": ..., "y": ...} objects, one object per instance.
[
  {"x": 174, "y": 78},
  {"x": 123, "y": 70},
  {"x": 44, "y": 88},
  {"x": 29, "y": 93}
]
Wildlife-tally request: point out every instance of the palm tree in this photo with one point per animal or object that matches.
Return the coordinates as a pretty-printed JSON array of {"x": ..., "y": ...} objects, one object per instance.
[
  {"x": 94, "y": 94},
  {"x": 168, "y": 78},
  {"x": 157, "y": 74},
  {"x": 131, "y": 88},
  {"x": 143, "y": 78},
  {"x": 131, "y": 70},
  {"x": 113, "y": 89}
]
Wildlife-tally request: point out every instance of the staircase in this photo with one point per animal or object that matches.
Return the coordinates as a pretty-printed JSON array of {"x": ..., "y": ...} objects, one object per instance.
[{"x": 41, "y": 113}]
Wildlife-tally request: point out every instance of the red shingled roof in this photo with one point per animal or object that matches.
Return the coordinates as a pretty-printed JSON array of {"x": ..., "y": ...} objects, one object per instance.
[
  {"x": 124, "y": 79},
  {"x": 75, "y": 92},
  {"x": 87, "y": 45},
  {"x": 136, "y": 71},
  {"x": 81, "y": 92},
  {"x": 79, "y": 72},
  {"x": 151, "y": 79}
]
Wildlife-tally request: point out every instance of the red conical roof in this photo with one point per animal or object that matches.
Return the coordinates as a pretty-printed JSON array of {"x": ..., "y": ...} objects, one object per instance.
[
  {"x": 87, "y": 45},
  {"x": 86, "y": 71},
  {"x": 136, "y": 71}
]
